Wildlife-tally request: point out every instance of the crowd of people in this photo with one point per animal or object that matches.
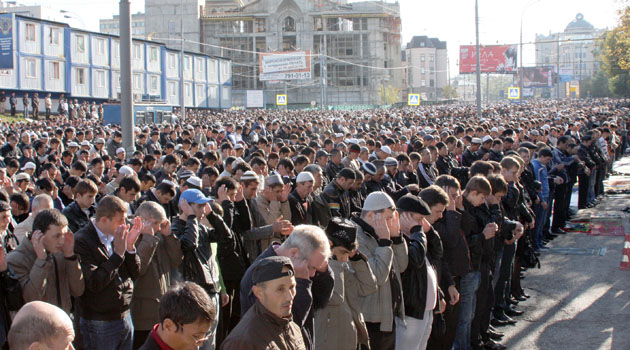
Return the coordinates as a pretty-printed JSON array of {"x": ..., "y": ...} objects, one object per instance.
[{"x": 404, "y": 229}]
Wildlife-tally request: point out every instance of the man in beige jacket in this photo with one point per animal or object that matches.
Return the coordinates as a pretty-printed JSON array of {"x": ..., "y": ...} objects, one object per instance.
[
  {"x": 274, "y": 200},
  {"x": 45, "y": 263}
]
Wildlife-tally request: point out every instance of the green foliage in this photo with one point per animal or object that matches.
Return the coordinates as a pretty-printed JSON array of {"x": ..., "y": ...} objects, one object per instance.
[
  {"x": 449, "y": 92},
  {"x": 389, "y": 94},
  {"x": 616, "y": 55},
  {"x": 597, "y": 86}
]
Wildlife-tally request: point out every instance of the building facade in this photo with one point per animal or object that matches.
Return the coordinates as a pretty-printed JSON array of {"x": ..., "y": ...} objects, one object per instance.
[
  {"x": 355, "y": 48},
  {"x": 427, "y": 67},
  {"x": 53, "y": 57},
  {"x": 572, "y": 53},
  {"x": 111, "y": 25}
]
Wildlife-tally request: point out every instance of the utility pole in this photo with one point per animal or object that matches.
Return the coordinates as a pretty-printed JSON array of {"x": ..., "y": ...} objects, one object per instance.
[
  {"x": 126, "y": 98},
  {"x": 325, "y": 71},
  {"x": 182, "y": 100},
  {"x": 520, "y": 71},
  {"x": 478, "y": 65},
  {"x": 487, "y": 88},
  {"x": 321, "y": 73}
]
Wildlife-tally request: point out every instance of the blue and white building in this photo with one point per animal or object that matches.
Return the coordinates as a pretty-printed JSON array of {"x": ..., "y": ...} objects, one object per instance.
[{"x": 52, "y": 57}]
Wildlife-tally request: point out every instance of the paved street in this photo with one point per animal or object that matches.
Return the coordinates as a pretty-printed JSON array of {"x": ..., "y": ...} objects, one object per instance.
[{"x": 577, "y": 301}]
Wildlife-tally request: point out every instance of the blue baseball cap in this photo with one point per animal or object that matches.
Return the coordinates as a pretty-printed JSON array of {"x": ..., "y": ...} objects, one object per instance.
[{"x": 194, "y": 196}]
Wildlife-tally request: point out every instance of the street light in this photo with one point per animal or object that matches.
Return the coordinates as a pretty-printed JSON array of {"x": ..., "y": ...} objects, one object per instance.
[{"x": 69, "y": 15}]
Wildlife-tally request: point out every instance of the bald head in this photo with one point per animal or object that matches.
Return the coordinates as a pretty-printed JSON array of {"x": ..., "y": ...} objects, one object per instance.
[{"x": 41, "y": 325}]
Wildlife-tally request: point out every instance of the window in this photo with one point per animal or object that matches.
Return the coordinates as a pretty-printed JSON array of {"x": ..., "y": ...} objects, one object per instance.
[
  {"x": 260, "y": 25},
  {"x": 171, "y": 60},
  {"x": 423, "y": 83},
  {"x": 289, "y": 42},
  {"x": 431, "y": 58},
  {"x": 137, "y": 52},
  {"x": 154, "y": 83},
  {"x": 421, "y": 58},
  {"x": 431, "y": 82},
  {"x": 288, "y": 24},
  {"x": 80, "y": 76},
  {"x": 318, "y": 24},
  {"x": 80, "y": 43},
  {"x": 55, "y": 71},
  {"x": 186, "y": 62},
  {"x": 6, "y": 72},
  {"x": 31, "y": 69},
  {"x": 100, "y": 78},
  {"x": 30, "y": 31},
  {"x": 187, "y": 91},
  {"x": 100, "y": 47},
  {"x": 422, "y": 70},
  {"x": 199, "y": 65},
  {"x": 116, "y": 49},
  {"x": 172, "y": 88},
  {"x": 54, "y": 36},
  {"x": 154, "y": 54},
  {"x": 137, "y": 82}
]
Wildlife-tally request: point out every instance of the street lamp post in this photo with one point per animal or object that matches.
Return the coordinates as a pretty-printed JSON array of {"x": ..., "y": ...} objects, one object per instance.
[
  {"x": 478, "y": 64},
  {"x": 69, "y": 14},
  {"x": 182, "y": 108},
  {"x": 126, "y": 100}
]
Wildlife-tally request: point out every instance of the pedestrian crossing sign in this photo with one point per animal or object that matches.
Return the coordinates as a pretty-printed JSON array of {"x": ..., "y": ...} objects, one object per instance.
[
  {"x": 514, "y": 93},
  {"x": 413, "y": 100},
  {"x": 281, "y": 100}
]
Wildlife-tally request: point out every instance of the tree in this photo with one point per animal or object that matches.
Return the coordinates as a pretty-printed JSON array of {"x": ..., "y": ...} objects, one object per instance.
[
  {"x": 389, "y": 94},
  {"x": 597, "y": 86},
  {"x": 616, "y": 55},
  {"x": 449, "y": 92}
]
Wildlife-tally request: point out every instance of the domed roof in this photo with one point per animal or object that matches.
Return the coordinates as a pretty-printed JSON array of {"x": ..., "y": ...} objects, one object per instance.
[{"x": 579, "y": 25}]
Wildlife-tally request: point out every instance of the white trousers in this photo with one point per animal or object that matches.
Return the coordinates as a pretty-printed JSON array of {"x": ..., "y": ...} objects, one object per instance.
[{"x": 413, "y": 334}]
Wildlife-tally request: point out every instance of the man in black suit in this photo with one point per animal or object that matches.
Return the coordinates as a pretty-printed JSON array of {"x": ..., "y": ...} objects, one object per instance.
[
  {"x": 13, "y": 103},
  {"x": 106, "y": 248}
]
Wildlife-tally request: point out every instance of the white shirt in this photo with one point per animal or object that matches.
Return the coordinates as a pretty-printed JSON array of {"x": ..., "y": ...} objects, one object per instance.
[
  {"x": 431, "y": 286},
  {"x": 105, "y": 239}
]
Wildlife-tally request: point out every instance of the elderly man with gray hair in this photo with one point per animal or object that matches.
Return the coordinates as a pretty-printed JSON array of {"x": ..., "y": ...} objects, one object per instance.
[
  {"x": 40, "y": 202},
  {"x": 39, "y": 325},
  {"x": 156, "y": 241},
  {"x": 308, "y": 248}
]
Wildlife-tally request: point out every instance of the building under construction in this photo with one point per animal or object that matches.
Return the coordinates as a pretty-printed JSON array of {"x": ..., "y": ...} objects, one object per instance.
[{"x": 355, "y": 47}]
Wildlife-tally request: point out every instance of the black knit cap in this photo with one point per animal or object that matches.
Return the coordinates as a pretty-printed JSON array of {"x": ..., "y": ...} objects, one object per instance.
[{"x": 342, "y": 232}]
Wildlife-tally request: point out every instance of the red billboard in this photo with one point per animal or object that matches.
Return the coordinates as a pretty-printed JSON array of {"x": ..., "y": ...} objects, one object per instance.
[{"x": 493, "y": 59}]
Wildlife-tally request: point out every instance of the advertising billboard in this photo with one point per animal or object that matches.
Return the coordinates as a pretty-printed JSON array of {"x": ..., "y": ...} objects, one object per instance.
[
  {"x": 493, "y": 59},
  {"x": 255, "y": 99},
  {"x": 285, "y": 65},
  {"x": 6, "y": 41},
  {"x": 537, "y": 77}
]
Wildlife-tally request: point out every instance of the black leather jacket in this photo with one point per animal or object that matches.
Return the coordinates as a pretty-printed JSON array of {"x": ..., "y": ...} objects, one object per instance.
[
  {"x": 76, "y": 217},
  {"x": 414, "y": 278}
]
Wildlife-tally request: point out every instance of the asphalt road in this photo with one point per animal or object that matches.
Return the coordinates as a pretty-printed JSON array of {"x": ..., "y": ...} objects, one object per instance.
[{"x": 577, "y": 301}]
